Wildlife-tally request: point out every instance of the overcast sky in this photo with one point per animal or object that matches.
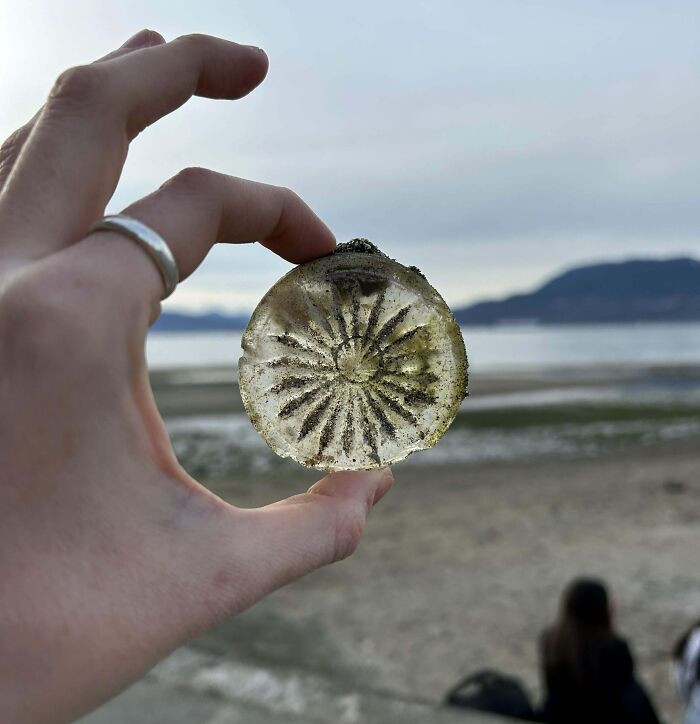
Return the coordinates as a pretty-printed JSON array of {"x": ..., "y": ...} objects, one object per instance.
[{"x": 490, "y": 143}]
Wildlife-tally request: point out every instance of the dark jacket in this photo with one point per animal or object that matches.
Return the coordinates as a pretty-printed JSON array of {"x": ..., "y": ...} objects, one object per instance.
[{"x": 604, "y": 690}]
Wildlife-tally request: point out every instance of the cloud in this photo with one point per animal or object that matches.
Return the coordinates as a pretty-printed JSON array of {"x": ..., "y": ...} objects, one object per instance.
[{"x": 491, "y": 144}]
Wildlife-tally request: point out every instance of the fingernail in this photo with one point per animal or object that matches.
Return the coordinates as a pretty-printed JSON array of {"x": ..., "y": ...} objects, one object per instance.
[
  {"x": 255, "y": 47},
  {"x": 384, "y": 486}
]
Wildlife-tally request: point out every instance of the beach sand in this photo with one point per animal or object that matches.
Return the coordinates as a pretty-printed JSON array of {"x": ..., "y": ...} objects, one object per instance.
[
  {"x": 460, "y": 569},
  {"x": 462, "y": 566}
]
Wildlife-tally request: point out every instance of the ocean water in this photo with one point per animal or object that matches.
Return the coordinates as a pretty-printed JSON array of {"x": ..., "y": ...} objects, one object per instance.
[
  {"x": 490, "y": 349},
  {"x": 565, "y": 421}
]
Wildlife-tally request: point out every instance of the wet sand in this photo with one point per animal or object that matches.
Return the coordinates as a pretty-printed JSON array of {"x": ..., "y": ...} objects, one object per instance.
[{"x": 214, "y": 390}]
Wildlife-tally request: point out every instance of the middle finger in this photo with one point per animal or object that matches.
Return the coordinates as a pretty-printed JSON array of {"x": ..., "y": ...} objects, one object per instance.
[
  {"x": 72, "y": 161},
  {"x": 12, "y": 146}
]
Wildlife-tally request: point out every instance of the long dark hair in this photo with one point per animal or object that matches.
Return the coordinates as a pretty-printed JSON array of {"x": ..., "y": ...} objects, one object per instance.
[{"x": 584, "y": 624}]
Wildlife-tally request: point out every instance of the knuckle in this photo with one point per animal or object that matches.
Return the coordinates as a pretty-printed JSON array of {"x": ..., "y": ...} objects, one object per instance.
[
  {"x": 12, "y": 144},
  {"x": 350, "y": 524},
  {"x": 289, "y": 196},
  {"x": 77, "y": 86},
  {"x": 151, "y": 37},
  {"x": 191, "y": 177},
  {"x": 294, "y": 210},
  {"x": 194, "y": 40},
  {"x": 288, "y": 201},
  {"x": 40, "y": 312}
]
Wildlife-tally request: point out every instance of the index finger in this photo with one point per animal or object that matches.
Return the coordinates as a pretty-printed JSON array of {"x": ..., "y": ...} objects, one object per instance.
[
  {"x": 192, "y": 211},
  {"x": 73, "y": 158}
]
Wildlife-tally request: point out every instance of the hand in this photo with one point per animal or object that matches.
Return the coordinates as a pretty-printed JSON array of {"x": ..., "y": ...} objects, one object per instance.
[{"x": 111, "y": 555}]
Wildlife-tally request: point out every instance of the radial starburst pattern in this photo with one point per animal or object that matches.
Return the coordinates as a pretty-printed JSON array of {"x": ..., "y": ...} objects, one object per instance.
[{"x": 352, "y": 361}]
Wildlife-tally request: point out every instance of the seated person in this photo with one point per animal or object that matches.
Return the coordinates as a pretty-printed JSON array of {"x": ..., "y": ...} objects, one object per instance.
[{"x": 588, "y": 670}]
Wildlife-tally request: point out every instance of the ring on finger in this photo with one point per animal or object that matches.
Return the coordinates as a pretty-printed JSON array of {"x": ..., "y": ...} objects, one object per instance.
[{"x": 150, "y": 241}]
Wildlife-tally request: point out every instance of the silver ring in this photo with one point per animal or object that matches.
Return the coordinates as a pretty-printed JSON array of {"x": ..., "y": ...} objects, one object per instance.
[{"x": 147, "y": 239}]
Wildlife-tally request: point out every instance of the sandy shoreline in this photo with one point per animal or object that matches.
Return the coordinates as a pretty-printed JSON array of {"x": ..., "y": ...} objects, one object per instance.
[
  {"x": 214, "y": 390},
  {"x": 460, "y": 569},
  {"x": 462, "y": 565}
]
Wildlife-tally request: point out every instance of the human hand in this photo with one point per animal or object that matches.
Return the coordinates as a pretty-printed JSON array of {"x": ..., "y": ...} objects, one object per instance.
[{"x": 111, "y": 555}]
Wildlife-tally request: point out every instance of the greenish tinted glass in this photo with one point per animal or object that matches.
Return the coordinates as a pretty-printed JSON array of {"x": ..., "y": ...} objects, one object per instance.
[{"x": 352, "y": 361}]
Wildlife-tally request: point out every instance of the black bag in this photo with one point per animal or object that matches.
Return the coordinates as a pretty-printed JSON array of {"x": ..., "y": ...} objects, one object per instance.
[{"x": 490, "y": 691}]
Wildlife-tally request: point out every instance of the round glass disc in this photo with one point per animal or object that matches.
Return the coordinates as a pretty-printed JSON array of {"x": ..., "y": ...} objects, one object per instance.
[{"x": 352, "y": 361}]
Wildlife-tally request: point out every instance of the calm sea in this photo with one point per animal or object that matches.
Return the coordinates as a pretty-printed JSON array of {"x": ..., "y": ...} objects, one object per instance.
[{"x": 504, "y": 348}]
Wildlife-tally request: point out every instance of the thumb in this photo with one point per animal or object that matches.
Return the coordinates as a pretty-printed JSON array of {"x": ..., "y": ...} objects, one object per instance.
[{"x": 292, "y": 537}]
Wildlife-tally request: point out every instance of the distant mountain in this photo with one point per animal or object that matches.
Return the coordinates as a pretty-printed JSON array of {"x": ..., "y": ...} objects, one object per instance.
[
  {"x": 641, "y": 290},
  {"x": 631, "y": 291},
  {"x": 181, "y": 322}
]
